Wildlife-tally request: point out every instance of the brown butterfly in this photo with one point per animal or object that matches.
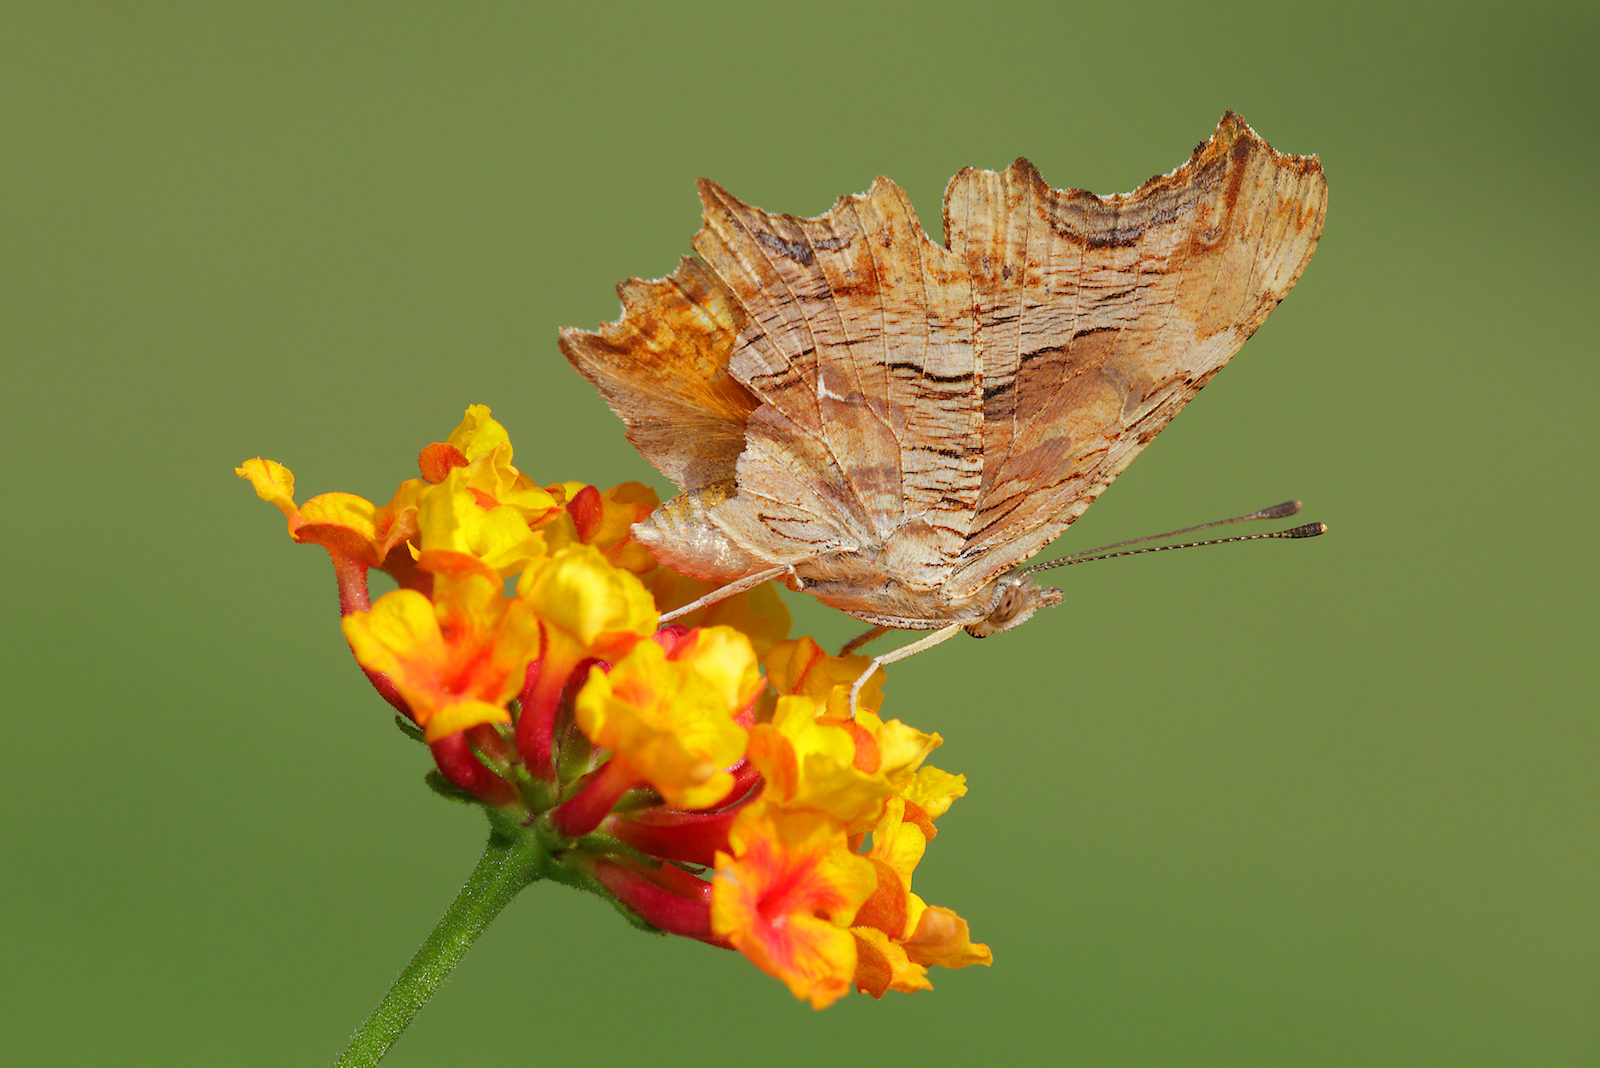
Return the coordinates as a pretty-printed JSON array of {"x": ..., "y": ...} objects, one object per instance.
[{"x": 896, "y": 426}]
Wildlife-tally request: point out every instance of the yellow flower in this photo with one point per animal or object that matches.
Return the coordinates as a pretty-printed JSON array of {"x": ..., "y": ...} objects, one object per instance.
[
  {"x": 848, "y": 768},
  {"x": 933, "y": 791},
  {"x": 723, "y": 657},
  {"x": 480, "y": 512},
  {"x": 465, "y": 527},
  {"x": 457, "y": 660},
  {"x": 587, "y": 608},
  {"x": 599, "y": 608},
  {"x": 758, "y": 613},
  {"x": 671, "y": 717},
  {"x": 479, "y": 433}
]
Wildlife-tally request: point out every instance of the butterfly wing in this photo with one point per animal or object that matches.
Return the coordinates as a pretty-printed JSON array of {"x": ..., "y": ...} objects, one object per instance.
[
  {"x": 859, "y": 340},
  {"x": 663, "y": 367},
  {"x": 1100, "y": 317},
  {"x": 929, "y": 416}
]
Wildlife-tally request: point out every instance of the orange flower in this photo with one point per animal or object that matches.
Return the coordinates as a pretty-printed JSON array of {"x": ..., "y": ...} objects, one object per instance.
[
  {"x": 457, "y": 660},
  {"x": 785, "y": 898},
  {"x": 342, "y": 523},
  {"x": 859, "y": 775},
  {"x": 604, "y": 519},
  {"x": 898, "y": 935},
  {"x": 801, "y": 667}
]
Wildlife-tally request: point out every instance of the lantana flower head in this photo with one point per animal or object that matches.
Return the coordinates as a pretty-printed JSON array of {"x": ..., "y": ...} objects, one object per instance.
[{"x": 707, "y": 776}]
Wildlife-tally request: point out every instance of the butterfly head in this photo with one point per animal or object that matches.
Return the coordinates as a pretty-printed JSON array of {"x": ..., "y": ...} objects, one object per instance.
[{"x": 1016, "y": 598}]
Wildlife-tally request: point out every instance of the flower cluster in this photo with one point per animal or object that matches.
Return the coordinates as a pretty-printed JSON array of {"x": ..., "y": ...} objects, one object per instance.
[{"x": 707, "y": 776}]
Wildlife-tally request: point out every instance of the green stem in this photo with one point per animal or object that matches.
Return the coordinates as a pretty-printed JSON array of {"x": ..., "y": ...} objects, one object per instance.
[{"x": 508, "y": 865}]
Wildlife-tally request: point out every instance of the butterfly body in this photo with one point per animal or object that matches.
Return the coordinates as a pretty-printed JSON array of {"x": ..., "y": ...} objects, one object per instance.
[
  {"x": 901, "y": 425},
  {"x": 885, "y": 584}
]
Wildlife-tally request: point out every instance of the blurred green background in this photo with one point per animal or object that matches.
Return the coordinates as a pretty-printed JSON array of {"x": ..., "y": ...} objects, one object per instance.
[{"x": 1331, "y": 803}]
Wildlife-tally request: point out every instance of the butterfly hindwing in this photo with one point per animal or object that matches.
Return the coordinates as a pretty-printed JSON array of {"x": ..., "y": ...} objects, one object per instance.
[{"x": 860, "y": 333}]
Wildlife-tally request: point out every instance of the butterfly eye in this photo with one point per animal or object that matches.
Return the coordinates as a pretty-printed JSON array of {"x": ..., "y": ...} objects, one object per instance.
[{"x": 1012, "y": 607}]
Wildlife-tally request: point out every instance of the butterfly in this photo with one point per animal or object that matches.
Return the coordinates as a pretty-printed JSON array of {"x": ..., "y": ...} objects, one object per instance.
[{"x": 896, "y": 426}]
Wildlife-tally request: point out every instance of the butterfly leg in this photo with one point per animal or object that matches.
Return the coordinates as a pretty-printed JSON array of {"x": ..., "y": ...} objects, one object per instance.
[
  {"x": 943, "y": 634},
  {"x": 861, "y": 639},
  {"x": 722, "y": 593}
]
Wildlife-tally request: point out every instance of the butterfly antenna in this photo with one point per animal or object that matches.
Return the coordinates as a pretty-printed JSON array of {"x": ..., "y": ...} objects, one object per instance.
[
  {"x": 1276, "y": 511},
  {"x": 1305, "y": 530}
]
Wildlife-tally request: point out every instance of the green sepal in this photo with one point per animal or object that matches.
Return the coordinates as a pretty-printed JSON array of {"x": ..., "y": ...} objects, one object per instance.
[
  {"x": 447, "y": 789},
  {"x": 409, "y": 729}
]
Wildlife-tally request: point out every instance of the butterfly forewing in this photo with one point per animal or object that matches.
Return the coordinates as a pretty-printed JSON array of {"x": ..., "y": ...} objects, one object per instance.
[
  {"x": 1168, "y": 283},
  {"x": 663, "y": 367}
]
